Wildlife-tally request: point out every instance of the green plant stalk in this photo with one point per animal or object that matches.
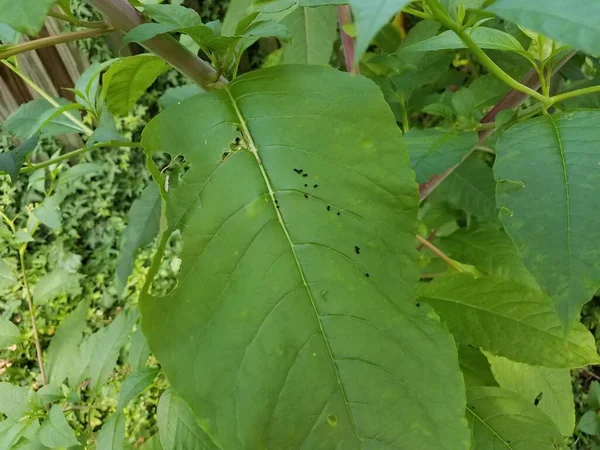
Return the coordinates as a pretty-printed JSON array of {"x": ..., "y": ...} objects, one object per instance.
[
  {"x": 78, "y": 152},
  {"x": 440, "y": 15},
  {"x": 84, "y": 128},
  {"x": 439, "y": 253},
  {"x": 49, "y": 41},
  {"x": 416, "y": 13},
  {"x": 78, "y": 23},
  {"x": 576, "y": 93}
]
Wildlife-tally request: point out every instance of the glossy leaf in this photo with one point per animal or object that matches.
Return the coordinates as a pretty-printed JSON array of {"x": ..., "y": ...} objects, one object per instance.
[
  {"x": 313, "y": 32},
  {"x": 62, "y": 352},
  {"x": 142, "y": 227},
  {"x": 434, "y": 150},
  {"x": 127, "y": 80},
  {"x": 283, "y": 241},
  {"x": 135, "y": 384},
  {"x": 55, "y": 431},
  {"x": 574, "y": 22},
  {"x": 503, "y": 420},
  {"x": 475, "y": 367},
  {"x": 11, "y": 161},
  {"x": 13, "y": 401},
  {"x": 547, "y": 172},
  {"x": 508, "y": 319},
  {"x": 9, "y": 333},
  {"x": 26, "y": 16},
  {"x": 548, "y": 389},
  {"x": 112, "y": 433}
]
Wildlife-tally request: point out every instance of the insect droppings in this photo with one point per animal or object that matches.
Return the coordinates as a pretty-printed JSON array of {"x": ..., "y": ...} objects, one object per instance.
[
  {"x": 418, "y": 305},
  {"x": 328, "y": 207},
  {"x": 305, "y": 195},
  {"x": 367, "y": 274},
  {"x": 305, "y": 185},
  {"x": 339, "y": 213},
  {"x": 538, "y": 399},
  {"x": 316, "y": 186},
  {"x": 357, "y": 249},
  {"x": 298, "y": 171},
  {"x": 305, "y": 175}
]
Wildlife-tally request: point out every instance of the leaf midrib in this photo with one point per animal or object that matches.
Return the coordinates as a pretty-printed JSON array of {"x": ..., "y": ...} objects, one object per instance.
[
  {"x": 489, "y": 427},
  {"x": 254, "y": 151}
]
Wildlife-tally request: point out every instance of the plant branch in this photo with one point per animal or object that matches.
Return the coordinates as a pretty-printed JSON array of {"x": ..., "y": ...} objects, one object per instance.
[
  {"x": 348, "y": 42},
  {"x": 416, "y": 13},
  {"x": 78, "y": 152},
  {"x": 440, "y": 15},
  {"x": 439, "y": 253},
  {"x": 78, "y": 23},
  {"x": 82, "y": 126},
  {"x": 49, "y": 41},
  {"x": 576, "y": 93},
  {"x": 36, "y": 337},
  {"x": 123, "y": 16}
]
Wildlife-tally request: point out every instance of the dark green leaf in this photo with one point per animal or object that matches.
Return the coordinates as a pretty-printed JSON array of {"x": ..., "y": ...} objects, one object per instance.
[
  {"x": 135, "y": 384},
  {"x": 475, "y": 367},
  {"x": 11, "y": 161},
  {"x": 589, "y": 423},
  {"x": 237, "y": 10},
  {"x": 30, "y": 117}
]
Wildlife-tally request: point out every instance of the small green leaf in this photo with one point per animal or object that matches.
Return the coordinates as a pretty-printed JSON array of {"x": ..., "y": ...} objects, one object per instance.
[
  {"x": 509, "y": 319},
  {"x": 11, "y": 161},
  {"x": 454, "y": 5},
  {"x": 547, "y": 171},
  {"x": 38, "y": 114},
  {"x": 9, "y": 333},
  {"x": 9, "y": 35},
  {"x": 7, "y": 276},
  {"x": 62, "y": 352},
  {"x": 55, "y": 283},
  {"x": 127, "y": 80},
  {"x": 13, "y": 400},
  {"x": 26, "y": 16},
  {"x": 589, "y": 423},
  {"x": 55, "y": 431},
  {"x": 175, "y": 95},
  {"x": 475, "y": 367},
  {"x": 237, "y": 10},
  {"x": 50, "y": 393},
  {"x": 434, "y": 150},
  {"x": 503, "y": 420},
  {"x": 48, "y": 212},
  {"x": 105, "y": 131},
  {"x": 594, "y": 395},
  {"x": 135, "y": 384},
  {"x": 112, "y": 433},
  {"x": 548, "y": 389},
  {"x": 573, "y": 22},
  {"x": 78, "y": 171},
  {"x": 138, "y": 351},
  {"x": 142, "y": 227}
]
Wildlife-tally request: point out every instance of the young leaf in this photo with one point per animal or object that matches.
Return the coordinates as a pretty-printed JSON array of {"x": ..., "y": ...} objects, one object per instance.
[
  {"x": 313, "y": 32},
  {"x": 370, "y": 16},
  {"x": 177, "y": 426},
  {"x": 475, "y": 367},
  {"x": 56, "y": 283},
  {"x": 434, "y": 150},
  {"x": 574, "y": 22},
  {"x": 13, "y": 401},
  {"x": 105, "y": 131},
  {"x": 55, "y": 431},
  {"x": 501, "y": 419},
  {"x": 138, "y": 350},
  {"x": 508, "y": 319},
  {"x": 127, "y": 80},
  {"x": 283, "y": 241},
  {"x": 135, "y": 384},
  {"x": 453, "y": 5},
  {"x": 9, "y": 333},
  {"x": 548, "y": 389},
  {"x": 547, "y": 173},
  {"x": 62, "y": 352},
  {"x": 142, "y": 227},
  {"x": 26, "y": 16},
  {"x": 11, "y": 161},
  {"x": 112, "y": 433},
  {"x": 48, "y": 212}
]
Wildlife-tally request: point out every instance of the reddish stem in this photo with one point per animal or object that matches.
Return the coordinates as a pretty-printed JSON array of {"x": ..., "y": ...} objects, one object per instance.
[{"x": 345, "y": 18}]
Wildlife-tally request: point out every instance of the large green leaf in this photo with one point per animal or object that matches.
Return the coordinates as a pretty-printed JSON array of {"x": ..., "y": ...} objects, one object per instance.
[
  {"x": 434, "y": 150},
  {"x": 55, "y": 431},
  {"x": 503, "y": 420},
  {"x": 127, "y": 80},
  {"x": 9, "y": 333},
  {"x": 236, "y": 11},
  {"x": 475, "y": 367},
  {"x": 135, "y": 384},
  {"x": 112, "y": 433},
  {"x": 13, "y": 401},
  {"x": 509, "y": 319},
  {"x": 547, "y": 173},
  {"x": 573, "y": 22},
  {"x": 299, "y": 262},
  {"x": 11, "y": 161},
  {"x": 313, "y": 32},
  {"x": 26, "y": 16},
  {"x": 548, "y": 389}
]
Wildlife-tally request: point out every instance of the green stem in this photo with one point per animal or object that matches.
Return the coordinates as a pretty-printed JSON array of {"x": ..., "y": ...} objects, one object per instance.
[
  {"x": 49, "y": 41},
  {"x": 78, "y": 152},
  {"x": 440, "y": 15},
  {"x": 78, "y": 23},
  {"x": 576, "y": 93},
  {"x": 439, "y": 253},
  {"x": 84, "y": 128},
  {"x": 416, "y": 13}
]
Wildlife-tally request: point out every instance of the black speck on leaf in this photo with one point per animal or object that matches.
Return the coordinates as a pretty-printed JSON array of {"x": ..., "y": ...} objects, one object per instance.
[
  {"x": 298, "y": 170},
  {"x": 367, "y": 274},
  {"x": 305, "y": 195},
  {"x": 316, "y": 186},
  {"x": 305, "y": 175},
  {"x": 418, "y": 305},
  {"x": 328, "y": 208},
  {"x": 357, "y": 249},
  {"x": 276, "y": 201},
  {"x": 305, "y": 185},
  {"x": 339, "y": 213}
]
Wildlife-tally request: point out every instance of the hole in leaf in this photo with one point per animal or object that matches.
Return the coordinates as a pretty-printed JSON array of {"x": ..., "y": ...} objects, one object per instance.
[{"x": 332, "y": 420}]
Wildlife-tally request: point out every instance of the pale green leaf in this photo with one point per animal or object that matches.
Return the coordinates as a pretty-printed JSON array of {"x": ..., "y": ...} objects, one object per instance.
[
  {"x": 589, "y": 423},
  {"x": 7, "y": 276},
  {"x": 475, "y": 367},
  {"x": 313, "y": 32},
  {"x": 13, "y": 400},
  {"x": 78, "y": 171},
  {"x": 179, "y": 16},
  {"x": 127, "y": 80},
  {"x": 50, "y": 393},
  {"x": 509, "y": 319},
  {"x": 283, "y": 242},
  {"x": 138, "y": 350},
  {"x": 9, "y": 333},
  {"x": 547, "y": 172},
  {"x": 112, "y": 433},
  {"x": 55, "y": 431},
  {"x": 10, "y": 432},
  {"x": 453, "y": 5},
  {"x": 237, "y": 10},
  {"x": 503, "y": 420},
  {"x": 175, "y": 95},
  {"x": 9, "y": 35},
  {"x": 486, "y": 38},
  {"x": 48, "y": 212},
  {"x": 105, "y": 131},
  {"x": 177, "y": 426},
  {"x": 573, "y": 22},
  {"x": 153, "y": 443},
  {"x": 26, "y": 16},
  {"x": 62, "y": 352},
  {"x": 142, "y": 227},
  {"x": 548, "y": 389},
  {"x": 370, "y": 16},
  {"x": 491, "y": 250},
  {"x": 434, "y": 150},
  {"x": 12, "y": 160},
  {"x": 55, "y": 283},
  {"x": 135, "y": 384}
]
